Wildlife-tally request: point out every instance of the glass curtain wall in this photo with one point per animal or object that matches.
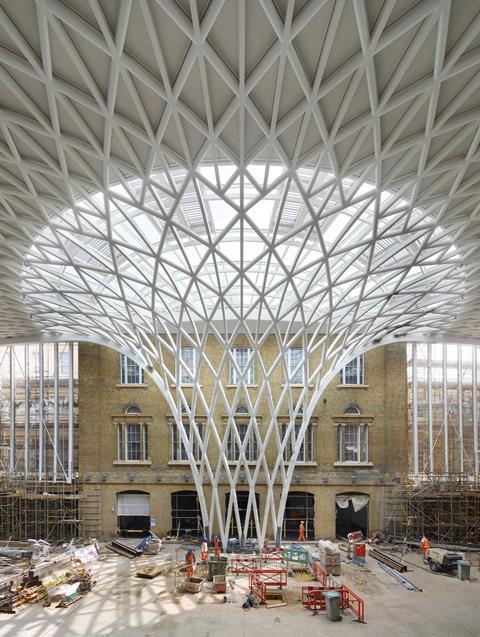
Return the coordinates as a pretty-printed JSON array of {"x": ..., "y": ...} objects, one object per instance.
[{"x": 39, "y": 411}]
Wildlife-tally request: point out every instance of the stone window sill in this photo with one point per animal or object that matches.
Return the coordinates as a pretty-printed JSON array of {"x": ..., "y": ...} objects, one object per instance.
[
  {"x": 234, "y": 386},
  {"x": 307, "y": 463},
  {"x": 353, "y": 464},
  {"x": 173, "y": 386},
  {"x": 352, "y": 386},
  {"x": 181, "y": 463},
  {"x": 298, "y": 385},
  {"x": 131, "y": 386},
  {"x": 132, "y": 463}
]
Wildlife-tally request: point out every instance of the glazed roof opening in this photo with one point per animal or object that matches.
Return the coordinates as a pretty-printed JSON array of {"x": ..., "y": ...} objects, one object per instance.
[
  {"x": 276, "y": 163},
  {"x": 263, "y": 244}
]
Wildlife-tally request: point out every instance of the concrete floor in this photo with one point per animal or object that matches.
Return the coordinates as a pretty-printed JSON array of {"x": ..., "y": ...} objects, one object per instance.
[{"x": 122, "y": 605}]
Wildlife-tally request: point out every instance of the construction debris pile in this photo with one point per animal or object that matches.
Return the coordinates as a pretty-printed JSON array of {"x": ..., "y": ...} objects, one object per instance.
[
  {"x": 35, "y": 572},
  {"x": 62, "y": 590}
]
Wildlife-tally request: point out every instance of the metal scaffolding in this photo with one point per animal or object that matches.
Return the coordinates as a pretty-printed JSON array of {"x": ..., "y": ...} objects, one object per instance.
[
  {"x": 444, "y": 507},
  {"x": 39, "y": 495},
  {"x": 441, "y": 497}
]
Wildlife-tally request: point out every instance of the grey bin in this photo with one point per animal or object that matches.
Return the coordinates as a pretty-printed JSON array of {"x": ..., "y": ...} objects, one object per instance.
[
  {"x": 217, "y": 567},
  {"x": 463, "y": 570},
  {"x": 332, "y": 605}
]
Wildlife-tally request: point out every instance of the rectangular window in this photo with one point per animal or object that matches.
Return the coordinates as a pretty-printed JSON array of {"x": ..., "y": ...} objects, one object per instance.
[
  {"x": 352, "y": 443},
  {"x": 178, "y": 451},
  {"x": 130, "y": 372},
  {"x": 63, "y": 363},
  {"x": 241, "y": 365},
  {"x": 306, "y": 448},
  {"x": 188, "y": 356},
  {"x": 296, "y": 374},
  {"x": 132, "y": 442},
  {"x": 234, "y": 447},
  {"x": 354, "y": 372}
]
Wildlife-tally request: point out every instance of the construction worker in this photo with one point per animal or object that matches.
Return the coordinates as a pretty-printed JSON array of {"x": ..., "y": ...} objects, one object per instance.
[
  {"x": 190, "y": 560},
  {"x": 425, "y": 544},
  {"x": 301, "y": 532},
  {"x": 204, "y": 550},
  {"x": 216, "y": 547}
]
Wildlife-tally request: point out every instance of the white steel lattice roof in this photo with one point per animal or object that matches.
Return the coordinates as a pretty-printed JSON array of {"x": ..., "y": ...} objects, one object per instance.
[{"x": 271, "y": 162}]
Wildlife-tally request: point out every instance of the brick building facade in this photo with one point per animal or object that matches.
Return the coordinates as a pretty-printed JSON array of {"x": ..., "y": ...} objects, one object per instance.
[{"x": 357, "y": 444}]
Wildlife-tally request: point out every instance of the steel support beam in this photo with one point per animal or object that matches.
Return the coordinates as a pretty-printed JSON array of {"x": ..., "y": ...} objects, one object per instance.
[
  {"x": 70, "y": 414},
  {"x": 55, "y": 412},
  {"x": 41, "y": 415},
  {"x": 26, "y": 442},
  {"x": 446, "y": 452},
  {"x": 12, "y": 437},
  {"x": 475, "y": 409},
  {"x": 415, "y": 410}
]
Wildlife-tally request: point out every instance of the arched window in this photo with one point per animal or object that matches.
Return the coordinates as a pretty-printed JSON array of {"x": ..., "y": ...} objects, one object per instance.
[
  {"x": 245, "y": 432},
  {"x": 132, "y": 409},
  {"x": 352, "y": 409}
]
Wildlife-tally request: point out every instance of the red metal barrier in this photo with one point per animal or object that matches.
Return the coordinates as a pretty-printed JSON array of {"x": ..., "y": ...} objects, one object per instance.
[
  {"x": 352, "y": 601},
  {"x": 313, "y": 599},
  {"x": 247, "y": 564},
  {"x": 320, "y": 574},
  {"x": 312, "y": 596},
  {"x": 242, "y": 564},
  {"x": 261, "y": 580}
]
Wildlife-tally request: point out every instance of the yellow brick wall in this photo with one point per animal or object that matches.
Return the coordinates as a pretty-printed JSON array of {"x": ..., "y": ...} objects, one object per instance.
[{"x": 384, "y": 398}]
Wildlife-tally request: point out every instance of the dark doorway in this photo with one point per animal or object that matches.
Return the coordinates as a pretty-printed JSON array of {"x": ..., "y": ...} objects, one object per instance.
[
  {"x": 242, "y": 499},
  {"x": 300, "y": 507},
  {"x": 347, "y": 519},
  {"x": 133, "y": 513},
  {"x": 186, "y": 515}
]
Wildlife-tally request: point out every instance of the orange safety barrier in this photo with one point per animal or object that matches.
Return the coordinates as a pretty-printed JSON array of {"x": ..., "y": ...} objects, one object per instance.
[
  {"x": 352, "y": 601},
  {"x": 261, "y": 580},
  {"x": 320, "y": 574},
  {"x": 241, "y": 564},
  {"x": 245, "y": 564},
  {"x": 313, "y": 599}
]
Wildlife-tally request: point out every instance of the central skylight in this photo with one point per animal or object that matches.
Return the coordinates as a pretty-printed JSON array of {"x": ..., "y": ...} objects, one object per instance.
[{"x": 266, "y": 244}]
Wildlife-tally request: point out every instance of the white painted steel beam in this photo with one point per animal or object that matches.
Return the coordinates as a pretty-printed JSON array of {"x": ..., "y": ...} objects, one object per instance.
[{"x": 145, "y": 213}]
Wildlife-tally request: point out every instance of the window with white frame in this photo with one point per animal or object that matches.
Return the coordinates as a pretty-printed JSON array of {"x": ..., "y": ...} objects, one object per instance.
[
  {"x": 306, "y": 448},
  {"x": 63, "y": 363},
  {"x": 296, "y": 369},
  {"x": 189, "y": 358},
  {"x": 241, "y": 365},
  {"x": 130, "y": 372},
  {"x": 248, "y": 441},
  {"x": 354, "y": 372},
  {"x": 352, "y": 443},
  {"x": 178, "y": 450},
  {"x": 132, "y": 442}
]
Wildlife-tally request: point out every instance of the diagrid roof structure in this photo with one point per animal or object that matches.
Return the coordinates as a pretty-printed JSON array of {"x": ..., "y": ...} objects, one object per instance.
[{"x": 170, "y": 169}]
